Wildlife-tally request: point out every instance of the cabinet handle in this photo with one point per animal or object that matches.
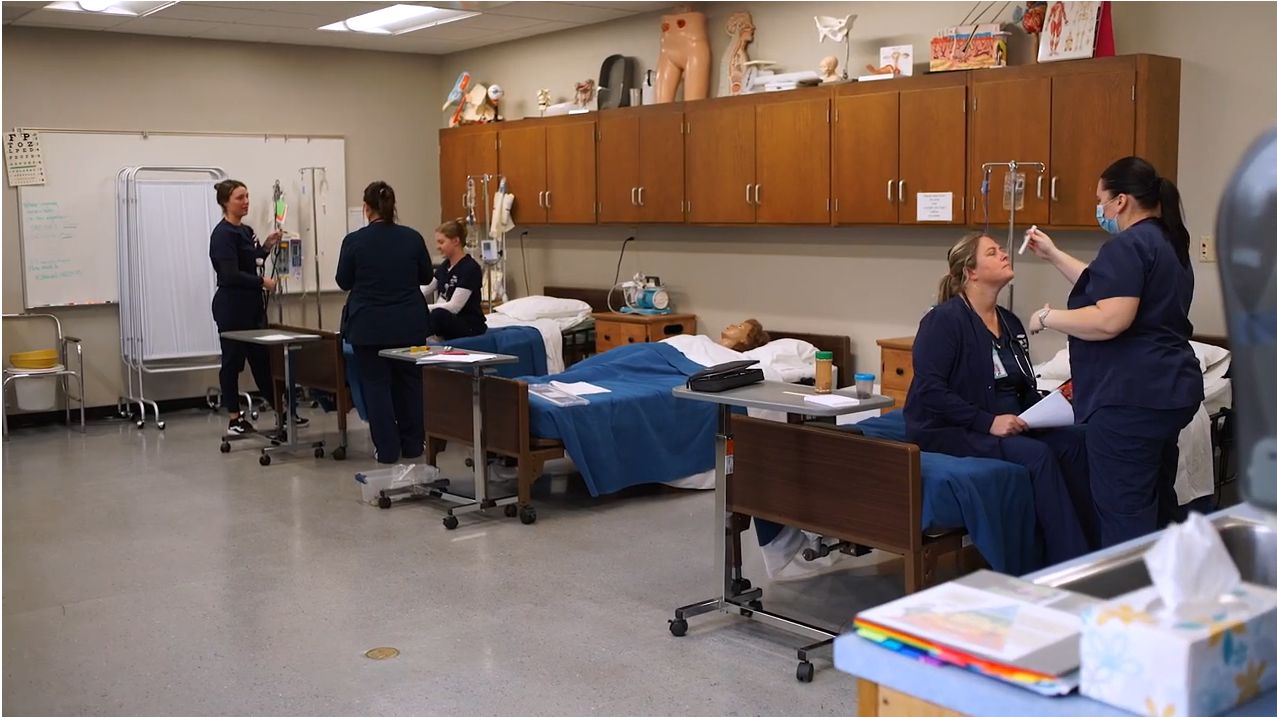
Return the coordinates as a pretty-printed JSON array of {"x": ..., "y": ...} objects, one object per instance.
[
  {"x": 633, "y": 196},
  {"x": 547, "y": 199},
  {"x": 900, "y": 372},
  {"x": 640, "y": 193},
  {"x": 757, "y": 201},
  {"x": 900, "y": 191},
  {"x": 541, "y": 199},
  {"x": 747, "y": 186},
  {"x": 1040, "y": 177},
  {"x": 607, "y": 337},
  {"x": 890, "y": 183},
  {"x": 1054, "y": 196}
]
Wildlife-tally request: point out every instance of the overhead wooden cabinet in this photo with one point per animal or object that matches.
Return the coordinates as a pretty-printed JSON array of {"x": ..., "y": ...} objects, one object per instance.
[
  {"x": 464, "y": 151},
  {"x": 719, "y": 163},
  {"x": 640, "y": 173},
  {"x": 549, "y": 167},
  {"x": 1077, "y": 118},
  {"x": 895, "y": 142}
]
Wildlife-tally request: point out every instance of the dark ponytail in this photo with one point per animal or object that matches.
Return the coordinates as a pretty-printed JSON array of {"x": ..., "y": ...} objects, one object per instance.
[
  {"x": 380, "y": 197},
  {"x": 1137, "y": 178}
]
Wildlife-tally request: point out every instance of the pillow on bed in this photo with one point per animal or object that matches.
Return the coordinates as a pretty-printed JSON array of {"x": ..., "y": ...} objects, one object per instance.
[
  {"x": 531, "y": 308},
  {"x": 1214, "y": 361},
  {"x": 792, "y": 358}
]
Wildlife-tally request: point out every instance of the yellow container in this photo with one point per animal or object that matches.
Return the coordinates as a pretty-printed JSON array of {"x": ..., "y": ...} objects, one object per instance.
[{"x": 41, "y": 358}]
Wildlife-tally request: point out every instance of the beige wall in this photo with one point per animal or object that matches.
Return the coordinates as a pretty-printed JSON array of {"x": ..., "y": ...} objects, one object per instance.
[
  {"x": 872, "y": 283},
  {"x": 868, "y": 283},
  {"x": 383, "y": 103}
]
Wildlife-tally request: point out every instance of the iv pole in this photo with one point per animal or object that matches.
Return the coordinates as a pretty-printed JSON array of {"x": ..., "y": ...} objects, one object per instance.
[
  {"x": 1017, "y": 193},
  {"x": 314, "y": 235}
]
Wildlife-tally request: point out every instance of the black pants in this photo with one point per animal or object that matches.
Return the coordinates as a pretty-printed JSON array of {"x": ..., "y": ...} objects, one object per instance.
[
  {"x": 1133, "y": 455},
  {"x": 234, "y": 353},
  {"x": 447, "y": 325},
  {"x": 393, "y": 401}
]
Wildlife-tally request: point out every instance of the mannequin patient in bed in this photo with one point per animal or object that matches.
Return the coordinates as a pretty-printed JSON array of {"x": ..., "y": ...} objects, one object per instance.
[{"x": 745, "y": 336}]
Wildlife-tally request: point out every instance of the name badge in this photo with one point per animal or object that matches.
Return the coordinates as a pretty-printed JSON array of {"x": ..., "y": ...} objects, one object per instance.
[{"x": 999, "y": 371}]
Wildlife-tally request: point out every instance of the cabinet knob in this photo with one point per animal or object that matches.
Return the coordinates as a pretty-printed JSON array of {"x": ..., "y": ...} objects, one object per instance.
[
  {"x": 631, "y": 339},
  {"x": 607, "y": 337},
  {"x": 900, "y": 372}
]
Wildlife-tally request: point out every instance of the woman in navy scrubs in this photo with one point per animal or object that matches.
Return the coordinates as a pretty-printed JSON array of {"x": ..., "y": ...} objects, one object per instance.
[
  {"x": 458, "y": 283},
  {"x": 381, "y": 265},
  {"x": 1136, "y": 382},
  {"x": 239, "y": 302},
  {"x": 972, "y": 379}
]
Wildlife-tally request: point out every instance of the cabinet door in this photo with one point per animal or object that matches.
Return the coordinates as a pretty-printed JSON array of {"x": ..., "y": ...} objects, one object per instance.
[
  {"x": 569, "y": 173},
  {"x": 933, "y": 150},
  {"x": 661, "y": 167},
  {"x": 452, "y": 175},
  {"x": 521, "y": 153},
  {"x": 618, "y": 167},
  {"x": 1092, "y": 125},
  {"x": 720, "y": 165},
  {"x": 792, "y": 162},
  {"x": 866, "y": 158},
  {"x": 1011, "y": 121}
]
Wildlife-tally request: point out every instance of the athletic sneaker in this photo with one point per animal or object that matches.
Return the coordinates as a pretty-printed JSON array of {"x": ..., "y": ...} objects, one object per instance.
[
  {"x": 299, "y": 420},
  {"x": 239, "y": 427}
]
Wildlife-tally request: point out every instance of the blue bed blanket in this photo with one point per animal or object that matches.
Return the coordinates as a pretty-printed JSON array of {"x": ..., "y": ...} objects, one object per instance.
[
  {"x": 991, "y": 499},
  {"x": 639, "y": 432},
  {"x": 524, "y": 342}
]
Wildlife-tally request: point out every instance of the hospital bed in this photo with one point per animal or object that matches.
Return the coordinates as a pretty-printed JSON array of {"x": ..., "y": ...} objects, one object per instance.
[
  {"x": 508, "y": 419},
  {"x": 567, "y": 341}
]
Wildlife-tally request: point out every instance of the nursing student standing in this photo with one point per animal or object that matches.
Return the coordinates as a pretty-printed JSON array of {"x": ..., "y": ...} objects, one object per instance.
[
  {"x": 381, "y": 265},
  {"x": 1136, "y": 382}
]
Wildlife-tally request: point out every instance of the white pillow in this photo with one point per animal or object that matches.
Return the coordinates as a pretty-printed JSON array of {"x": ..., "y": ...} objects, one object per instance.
[
  {"x": 793, "y": 359},
  {"x": 1057, "y": 368},
  {"x": 1214, "y": 360},
  {"x": 531, "y": 308}
]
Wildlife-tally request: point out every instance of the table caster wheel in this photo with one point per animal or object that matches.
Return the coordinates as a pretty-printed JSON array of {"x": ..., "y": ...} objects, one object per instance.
[
  {"x": 225, "y": 447},
  {"x": 339, "y": 453},
  {"x": 451, "y": 522},
  {"x": 253, "y": 415},
  {"x": 160, "y": 425},
  {"x": 678, "y": 627},
  {"x": 756, "y": 604},
  {"x": 469, "y": 463},
  {"x": 140, "y": 424},
  {"x": 264, "y": 460},
  {"x": 740, "y": 585},
  {"x": 383, "y": 502},
  {"x": 806, "y": 671},
  {"x": 527, "y": 515},
  {"x": 319, "y": 452},
  {"x": 511, "y": 510}
]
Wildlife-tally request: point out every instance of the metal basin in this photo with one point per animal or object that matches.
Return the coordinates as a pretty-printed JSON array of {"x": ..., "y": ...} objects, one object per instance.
[{"x": 1253, "y": 546}]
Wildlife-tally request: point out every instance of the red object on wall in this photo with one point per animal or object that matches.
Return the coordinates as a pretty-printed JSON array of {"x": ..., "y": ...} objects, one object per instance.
[{"x": 1104, "y": 44}]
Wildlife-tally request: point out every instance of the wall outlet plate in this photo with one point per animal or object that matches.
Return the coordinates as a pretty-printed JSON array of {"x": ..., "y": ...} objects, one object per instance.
[{"x": 1206, "y": 249}]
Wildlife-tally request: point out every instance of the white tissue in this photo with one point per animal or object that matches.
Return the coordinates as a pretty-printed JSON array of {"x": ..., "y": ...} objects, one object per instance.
[{"x": 1190, "y": 566}]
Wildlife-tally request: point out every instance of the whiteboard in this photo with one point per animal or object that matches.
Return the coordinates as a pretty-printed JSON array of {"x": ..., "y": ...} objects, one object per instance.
[{"x": 68, "y": 226}]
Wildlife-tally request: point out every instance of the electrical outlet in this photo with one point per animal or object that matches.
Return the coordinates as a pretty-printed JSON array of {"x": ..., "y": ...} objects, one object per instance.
[{"x": 1206, "y": 249}]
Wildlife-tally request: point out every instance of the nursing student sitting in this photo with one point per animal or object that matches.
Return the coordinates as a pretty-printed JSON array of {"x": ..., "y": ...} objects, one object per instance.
[
  {"x": 458, "y": 283},
  {"x": 381, "y": 265},
  {"x": 972, "y": 379}
]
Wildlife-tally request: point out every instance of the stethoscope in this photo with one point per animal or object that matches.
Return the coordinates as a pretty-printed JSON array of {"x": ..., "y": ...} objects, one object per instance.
[{"x": 1017, "y": 344}]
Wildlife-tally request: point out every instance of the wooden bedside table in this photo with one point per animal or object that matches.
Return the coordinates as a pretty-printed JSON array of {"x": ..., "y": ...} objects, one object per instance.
[
  {"x": 616, "y": 329},
  {"x": 897, "y": 369}
]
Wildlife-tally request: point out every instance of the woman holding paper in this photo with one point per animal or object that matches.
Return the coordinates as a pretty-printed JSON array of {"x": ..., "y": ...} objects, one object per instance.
[
  {"x": 972, "y": 380},
  {"x": 1136, "y": 381},
  {"x": 381, "y": 265}
]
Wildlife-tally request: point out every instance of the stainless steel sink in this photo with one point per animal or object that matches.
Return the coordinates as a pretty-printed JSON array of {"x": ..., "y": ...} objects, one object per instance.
[{"x": 1253, "y": 546}]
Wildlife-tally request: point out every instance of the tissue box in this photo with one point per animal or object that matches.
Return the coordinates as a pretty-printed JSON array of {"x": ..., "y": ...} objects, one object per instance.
[{"x": 1195, "y": 664}]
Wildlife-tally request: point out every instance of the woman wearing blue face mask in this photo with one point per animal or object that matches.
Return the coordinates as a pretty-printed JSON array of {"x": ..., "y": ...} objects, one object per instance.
[{"x": 1136, "y": 382}]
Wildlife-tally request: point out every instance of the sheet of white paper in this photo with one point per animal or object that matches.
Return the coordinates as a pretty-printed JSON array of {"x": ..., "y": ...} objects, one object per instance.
[
  {"x": 935, "y": 206},
  {"x": 454, "y": 358},
  {"x": 355, "y": 219},
  {"x": 579, "y": 388},
  {"x": 831, "y": 400},
  {"x": 285, "y": 337},
  {"x": 1054, "y": 411}
]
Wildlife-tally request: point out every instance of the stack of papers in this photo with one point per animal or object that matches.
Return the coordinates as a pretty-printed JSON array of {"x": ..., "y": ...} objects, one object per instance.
[
  {"x": 579, "y": 388},
  {"x": 831, "y": 400},
  {"x": 1054, "y": 411},
  {"x": 444, "y": 357},
  {"x": 547, "y": 392},
  {"x": 998, "y": 626},
  {"x": 286, "y": 337}
]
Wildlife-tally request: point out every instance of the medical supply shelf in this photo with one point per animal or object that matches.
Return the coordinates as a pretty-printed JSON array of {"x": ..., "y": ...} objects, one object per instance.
[{"x": 736, "y": 595}]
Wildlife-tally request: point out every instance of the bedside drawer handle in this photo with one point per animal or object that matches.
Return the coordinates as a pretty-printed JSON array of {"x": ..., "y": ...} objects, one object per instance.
[
  {"x": 900, "y": 372},
  {"x": 631, "y": 339},
  {"x": 607, "y": 337}
]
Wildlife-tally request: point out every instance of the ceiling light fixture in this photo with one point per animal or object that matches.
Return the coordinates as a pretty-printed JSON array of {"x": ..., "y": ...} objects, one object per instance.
[{"x": 399, "y": 19}]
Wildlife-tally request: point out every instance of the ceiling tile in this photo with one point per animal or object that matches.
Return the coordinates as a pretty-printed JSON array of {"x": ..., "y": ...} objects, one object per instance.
[
  {"x": 243, "y": 33},
  {"x": 499, "y": 23},
  {"x": 13, "y": 12},
  {"x": 204, "y": 12},
  {"x": 290, "y": 19},
  {"x": 569, "y": 12},
  {"x": 64, "y": 18},
  {"x": 345, "y": 9},
  {"x": 160, "y": 26}
]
